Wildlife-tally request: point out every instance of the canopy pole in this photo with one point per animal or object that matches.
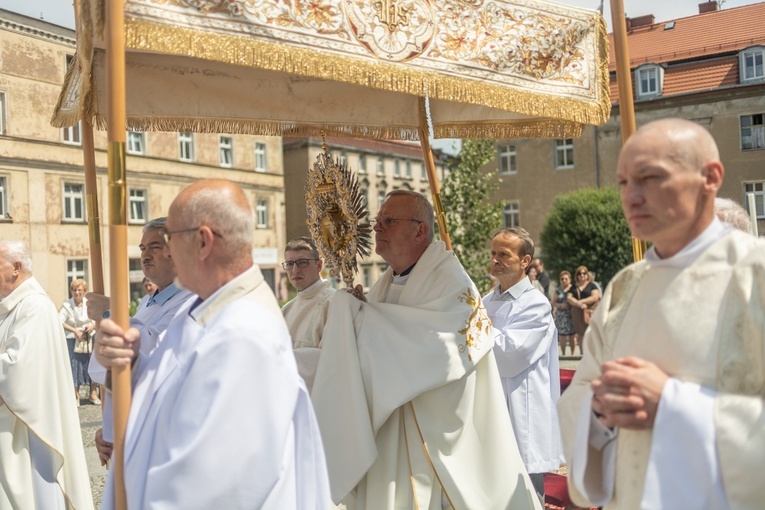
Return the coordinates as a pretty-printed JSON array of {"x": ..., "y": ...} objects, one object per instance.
[
  {"x": 430, "y": 168},
  {"x": 115, "y": 79},
  {"x": 626, "y": 103},
  {"x": 91, "y": 204}
]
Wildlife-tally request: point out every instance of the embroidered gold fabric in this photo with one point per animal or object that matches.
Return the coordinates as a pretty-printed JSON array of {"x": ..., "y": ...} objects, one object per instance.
[
  {"x": 492, "y": 69},
  {"x": 477, "y": 323}
]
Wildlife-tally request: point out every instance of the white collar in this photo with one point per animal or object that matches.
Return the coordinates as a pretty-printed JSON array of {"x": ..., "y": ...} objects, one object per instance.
[{"x": 693, "y": 250}]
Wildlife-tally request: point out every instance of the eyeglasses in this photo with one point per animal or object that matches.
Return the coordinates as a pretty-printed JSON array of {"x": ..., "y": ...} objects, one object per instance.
[
  {"x": 580, "y": 273},
  {"x": 387, "y": 222},
  {"x": 300, "y": 263},
  {"x": 167, "y": 234}
]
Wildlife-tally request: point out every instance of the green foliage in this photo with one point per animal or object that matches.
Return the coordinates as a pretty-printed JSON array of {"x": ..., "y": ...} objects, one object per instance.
[
  {"x": 587, "y": 227},
  {"x": 471, "y": 214}
]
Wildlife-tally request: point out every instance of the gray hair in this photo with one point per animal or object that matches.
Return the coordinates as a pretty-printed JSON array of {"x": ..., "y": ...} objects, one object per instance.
[
  {"x": 155, "y": 224},
  {"x": 214, "y": 209},
  {"x": 17, "y": 251},
  {"x": 527, "y": 243},
  {"x": 423, "y": 210},
  {"x": 302, "y": 244},
  {"x": 730, "y": 212}
]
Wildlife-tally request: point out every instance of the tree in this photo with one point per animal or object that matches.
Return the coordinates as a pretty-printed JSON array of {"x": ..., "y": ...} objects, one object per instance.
[
  {"x": 471, "y": 213},
  {"x": 587, "y": 227}
]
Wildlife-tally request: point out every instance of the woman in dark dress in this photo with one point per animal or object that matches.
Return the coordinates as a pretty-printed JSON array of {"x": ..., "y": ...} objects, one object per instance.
[
  {"x": 563, "y": 313},
  {"x": 584, "y": 295}
]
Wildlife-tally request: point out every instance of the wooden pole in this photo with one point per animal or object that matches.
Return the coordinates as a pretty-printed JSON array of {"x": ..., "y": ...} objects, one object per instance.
[
  {"x": 430, "y": 168},
  {"x": 626, "y": 103},
  {"x": 119, "y": 302}
]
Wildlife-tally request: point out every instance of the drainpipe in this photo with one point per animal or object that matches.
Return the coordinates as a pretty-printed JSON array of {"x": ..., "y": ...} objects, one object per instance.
[{"x": 597, "y": 159}]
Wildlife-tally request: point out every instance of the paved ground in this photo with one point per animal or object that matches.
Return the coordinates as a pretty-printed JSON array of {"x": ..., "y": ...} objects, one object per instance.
[{"x": 90, "y": 421}]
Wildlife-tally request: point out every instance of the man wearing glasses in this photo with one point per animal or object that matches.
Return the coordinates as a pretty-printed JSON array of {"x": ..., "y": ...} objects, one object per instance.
[
  {"x": 407, "y": 392},
  {"x": 305, "y": 315},
  {"x": 220, "y": 417}
]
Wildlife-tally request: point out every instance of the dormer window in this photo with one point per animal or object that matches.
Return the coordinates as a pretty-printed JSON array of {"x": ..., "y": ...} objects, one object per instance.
[
  {"x": 750, "y": 62},
  {"x": 648, "y": 80}
]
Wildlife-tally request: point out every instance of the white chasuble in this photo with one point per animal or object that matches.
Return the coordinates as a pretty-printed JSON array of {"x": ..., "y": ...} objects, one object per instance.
[
  {"x": 409, "y": 401},
  {"x": 42, "y": 460},
  {"x": 701, "y": 324}
]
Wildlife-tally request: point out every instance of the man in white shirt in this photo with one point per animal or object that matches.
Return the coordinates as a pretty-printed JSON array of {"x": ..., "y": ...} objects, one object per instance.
[
  {"x": 151, "y": 317},
  {"x": 220, "y": 417},
  {"x": 665, "y": 410},
  {"x": 526, "y": 348},
  {"x": 306, "y": 314},
  {"x": 42, "y": 460}
]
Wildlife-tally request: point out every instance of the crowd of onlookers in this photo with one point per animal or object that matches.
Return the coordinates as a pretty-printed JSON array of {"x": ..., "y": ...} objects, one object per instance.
[{"x": 574, "y": 301}]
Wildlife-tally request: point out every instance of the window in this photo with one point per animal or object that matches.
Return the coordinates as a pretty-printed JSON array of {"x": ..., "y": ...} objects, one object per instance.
[
  {"x": 648, "y": 79},
  {"x": 136, "y": 143},
  {"x": 4, "y": 198},
  {"x": 751, "y": 64},
  {"x": 758, "y": 188},
  {"x": 512, "y": 215},
  {"x": 226, "y": 147},
  {"x": 366, "y": 276},
  {"x": 76, "y": 269},
  {"x": 507, "y": 163},
  {"x": 365, "y": 198},
  {"x": 138, "y": 209},
  {"x": 343, "y": 160},
  {"x": 362, "y": 164},
  {"x": 74, "y": 200},
  {"x": 2, "y": 113},
  {"x": 752, "y": 132},
  {"x": 71, "y": 135},
  {"x": 260, "y": 157},
  {"x": 186, "y": 146},
  {"x": 380, "y": 197},
  {"x": 564, "y": 153},
  {"x": 261, "y": 211},
  {"x": 423, "y": 173},
  {"x": 397, "y": 168},
  {"x": 380, "y": 167}
]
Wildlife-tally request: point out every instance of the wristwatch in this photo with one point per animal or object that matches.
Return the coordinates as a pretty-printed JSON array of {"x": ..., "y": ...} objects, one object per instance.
[{"x": 106, "y": 314}]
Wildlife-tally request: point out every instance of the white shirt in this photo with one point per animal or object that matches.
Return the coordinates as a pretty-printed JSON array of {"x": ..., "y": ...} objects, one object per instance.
[{"x": 526, "y": 348}]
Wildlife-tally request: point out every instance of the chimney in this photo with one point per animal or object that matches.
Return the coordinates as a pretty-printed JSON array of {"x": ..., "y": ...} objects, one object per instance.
[
  {"x": 710, "y": 6},
  {"x": 641, "y": 21}
]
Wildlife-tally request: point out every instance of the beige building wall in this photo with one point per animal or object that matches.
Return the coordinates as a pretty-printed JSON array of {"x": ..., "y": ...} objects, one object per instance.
[
  {"x": 537, "y": 182},
  {"x": 375, "y": 163},
  {"x": 39, "y": 165}
]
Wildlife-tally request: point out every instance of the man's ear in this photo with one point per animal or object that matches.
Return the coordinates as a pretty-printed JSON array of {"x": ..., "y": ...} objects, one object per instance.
[
  {"x": 525, "y": 263},
  {"x": 205, "y": 239},
  {"x": 713, "y": 173}
]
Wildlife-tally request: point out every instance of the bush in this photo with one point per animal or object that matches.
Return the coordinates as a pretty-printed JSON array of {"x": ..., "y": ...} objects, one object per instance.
[{"x": 587, "y": 227}]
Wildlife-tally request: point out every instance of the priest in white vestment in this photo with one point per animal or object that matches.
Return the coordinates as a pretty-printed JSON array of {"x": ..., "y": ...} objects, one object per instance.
[
  {"x": 407, "y": 392},
  {"x": 307, "y": 313},
  {"x": 526, "y": 348},
  {"x": 666, "y": 408},
  {"x": 42, "y": 460},
  {"x": 220, "y": 417}
]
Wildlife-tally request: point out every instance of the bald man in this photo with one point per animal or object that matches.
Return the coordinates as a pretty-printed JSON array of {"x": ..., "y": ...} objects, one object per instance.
[
  {"x": 666, "y": 408},
  {"x": 220, "y": 417}
]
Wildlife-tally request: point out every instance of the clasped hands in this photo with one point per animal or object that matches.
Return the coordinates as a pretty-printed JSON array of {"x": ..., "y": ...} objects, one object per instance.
[{"x": 627, "y": 393}]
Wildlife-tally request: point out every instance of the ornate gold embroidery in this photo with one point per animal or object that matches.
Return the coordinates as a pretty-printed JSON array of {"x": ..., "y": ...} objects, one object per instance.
[{"x": 477, "y": 323}]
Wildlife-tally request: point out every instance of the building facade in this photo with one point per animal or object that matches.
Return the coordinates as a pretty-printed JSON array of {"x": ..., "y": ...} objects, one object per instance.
[
  {"x": 707, "y": 68},
  {"x": 42, "y": 183},
  {"x": 381, "y": 166}
]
